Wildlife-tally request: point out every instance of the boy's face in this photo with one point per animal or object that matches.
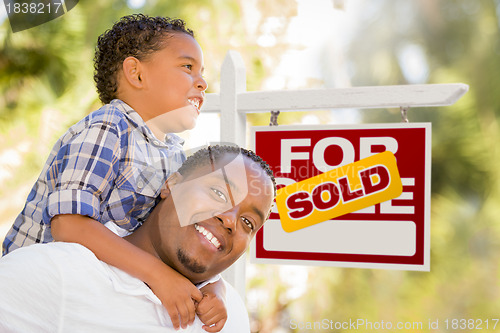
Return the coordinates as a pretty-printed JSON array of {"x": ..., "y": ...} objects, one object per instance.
[{"x": 173, "y": 82}]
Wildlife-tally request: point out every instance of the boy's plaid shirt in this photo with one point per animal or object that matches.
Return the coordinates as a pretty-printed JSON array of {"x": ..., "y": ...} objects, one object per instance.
[{"x": 109, "y": 166}]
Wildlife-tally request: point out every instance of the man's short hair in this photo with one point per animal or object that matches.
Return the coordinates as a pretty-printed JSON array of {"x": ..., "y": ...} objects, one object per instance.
[{"x": 211, "y": 154}]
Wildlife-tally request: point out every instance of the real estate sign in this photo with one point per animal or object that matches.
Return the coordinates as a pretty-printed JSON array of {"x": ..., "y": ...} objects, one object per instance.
[{"x": 350, "y": 196}]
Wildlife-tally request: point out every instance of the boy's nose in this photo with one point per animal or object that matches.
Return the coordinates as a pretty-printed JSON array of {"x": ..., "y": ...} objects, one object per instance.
[{"x": 201, "y": 84}]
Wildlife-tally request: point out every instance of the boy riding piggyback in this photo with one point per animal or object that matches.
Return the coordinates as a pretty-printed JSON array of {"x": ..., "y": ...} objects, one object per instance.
[{"x": 112, "y": 165}]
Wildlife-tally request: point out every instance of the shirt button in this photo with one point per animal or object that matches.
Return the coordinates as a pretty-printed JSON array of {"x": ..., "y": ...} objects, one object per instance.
[
  {"x": 140, "y": 184},
  {"x": 156, "y": 142}
]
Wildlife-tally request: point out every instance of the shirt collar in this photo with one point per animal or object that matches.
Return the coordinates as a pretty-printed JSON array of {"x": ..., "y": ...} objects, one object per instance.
[{"x": 170, "y": 139}]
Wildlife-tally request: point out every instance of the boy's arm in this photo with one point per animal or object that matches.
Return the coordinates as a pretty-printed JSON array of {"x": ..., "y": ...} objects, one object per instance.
[
  {"x": 174, "y": 290},
  {"x": 212, "y": 308}
]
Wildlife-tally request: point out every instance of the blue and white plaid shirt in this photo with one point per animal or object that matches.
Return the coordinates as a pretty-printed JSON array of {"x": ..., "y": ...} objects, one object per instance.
[{"x": 109, "y": 166}]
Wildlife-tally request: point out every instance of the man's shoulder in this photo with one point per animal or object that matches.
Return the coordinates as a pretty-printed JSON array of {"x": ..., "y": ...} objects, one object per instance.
[
  {"x": 40, "y": 254},
  {"x": 41, "y": 268}
]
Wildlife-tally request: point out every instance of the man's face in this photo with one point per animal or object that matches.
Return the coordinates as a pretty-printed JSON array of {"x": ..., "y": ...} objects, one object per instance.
[
  {"x": 240, "y": 195},
  {"x": 173, "y": 82},
  {"x": 200, "y": 196}
]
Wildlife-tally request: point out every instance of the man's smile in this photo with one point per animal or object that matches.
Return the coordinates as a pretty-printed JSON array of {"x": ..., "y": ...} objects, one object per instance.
[{"x": 208, "y": 236}]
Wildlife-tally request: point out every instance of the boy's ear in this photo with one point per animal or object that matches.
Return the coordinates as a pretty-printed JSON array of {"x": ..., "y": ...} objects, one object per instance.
[
  {"x": 173, "y": 179},
  {"x": 132, "y": 71}
]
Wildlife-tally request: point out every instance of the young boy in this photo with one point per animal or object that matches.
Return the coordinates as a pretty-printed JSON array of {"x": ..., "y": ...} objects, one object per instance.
[{"x": 112, "y": 165}]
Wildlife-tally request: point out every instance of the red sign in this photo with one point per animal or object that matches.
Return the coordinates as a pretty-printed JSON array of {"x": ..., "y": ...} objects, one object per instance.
[{"x": 393, "y": 234}]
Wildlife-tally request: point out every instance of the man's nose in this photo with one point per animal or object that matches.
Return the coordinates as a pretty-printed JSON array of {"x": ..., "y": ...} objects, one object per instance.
[{"x": 229, "y": 219}]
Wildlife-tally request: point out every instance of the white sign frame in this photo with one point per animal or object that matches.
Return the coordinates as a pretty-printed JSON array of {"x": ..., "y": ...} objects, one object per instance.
[{"x": 319, "y": 231}]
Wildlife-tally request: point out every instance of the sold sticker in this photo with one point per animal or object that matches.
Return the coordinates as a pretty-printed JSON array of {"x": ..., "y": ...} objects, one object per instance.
[{"x": 343, "y": 190}]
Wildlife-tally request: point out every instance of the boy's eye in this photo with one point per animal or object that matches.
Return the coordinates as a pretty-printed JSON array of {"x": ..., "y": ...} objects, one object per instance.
[
  {"x": 219, "y": 194},
  {"x": 188, "y": 66},
  {"x": 248, "y": 223}
]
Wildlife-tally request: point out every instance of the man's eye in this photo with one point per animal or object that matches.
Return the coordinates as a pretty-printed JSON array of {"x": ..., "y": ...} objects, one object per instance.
[
  {"x": 219, "y": 194},
  {"x": 248, "y": 223}
]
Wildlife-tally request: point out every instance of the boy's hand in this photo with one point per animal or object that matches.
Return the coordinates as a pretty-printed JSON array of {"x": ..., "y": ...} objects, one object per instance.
[
  {"x": 212, "y": 312},
  {"x": 178, "y": 295}
]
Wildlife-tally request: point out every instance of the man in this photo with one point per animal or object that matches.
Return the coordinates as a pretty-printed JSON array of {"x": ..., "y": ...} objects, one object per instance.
[{"x": 63, "y": 287}]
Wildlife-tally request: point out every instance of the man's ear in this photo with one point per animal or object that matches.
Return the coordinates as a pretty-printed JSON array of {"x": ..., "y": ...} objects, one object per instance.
[
  {"x": 132, "y": 71},
  {"x": 173, "y": 179}
]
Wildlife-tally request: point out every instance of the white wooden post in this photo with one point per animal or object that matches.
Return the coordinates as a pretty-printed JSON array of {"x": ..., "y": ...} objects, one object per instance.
[{"x": 233, "y": 129}]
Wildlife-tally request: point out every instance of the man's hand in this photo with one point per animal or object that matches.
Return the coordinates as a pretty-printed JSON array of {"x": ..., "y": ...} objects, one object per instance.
[
  {"x": 212, "y": 312},
  {"x": 178, "y": 295}
]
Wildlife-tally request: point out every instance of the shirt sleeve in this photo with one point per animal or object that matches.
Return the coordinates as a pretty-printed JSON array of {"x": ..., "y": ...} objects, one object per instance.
[{"x": 83, "y": 172}]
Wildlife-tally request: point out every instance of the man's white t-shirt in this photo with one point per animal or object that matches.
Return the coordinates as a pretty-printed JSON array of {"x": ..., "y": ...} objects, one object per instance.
[{"x": 63, "y": 287}]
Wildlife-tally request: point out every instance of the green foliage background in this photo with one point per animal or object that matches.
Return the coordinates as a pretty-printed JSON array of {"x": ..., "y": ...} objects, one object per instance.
[{"x": 46, "y": 85}]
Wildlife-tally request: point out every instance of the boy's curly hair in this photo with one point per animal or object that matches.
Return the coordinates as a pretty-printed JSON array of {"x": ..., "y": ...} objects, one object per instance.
[{"x": 135, "y": 35}]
